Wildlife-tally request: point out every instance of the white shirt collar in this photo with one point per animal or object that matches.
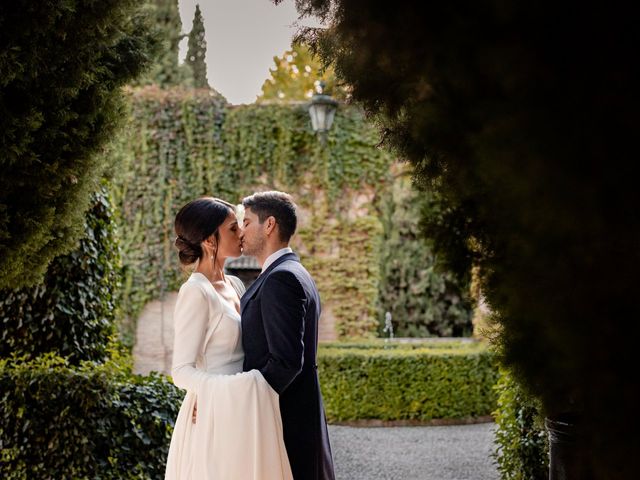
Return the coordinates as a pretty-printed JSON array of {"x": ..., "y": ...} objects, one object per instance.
[{"x": 274, "y": 256}]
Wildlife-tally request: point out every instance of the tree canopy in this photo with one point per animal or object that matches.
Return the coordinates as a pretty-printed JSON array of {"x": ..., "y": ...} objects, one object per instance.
[
  {"x": 521, "y": 117},
  {"x": 61, "y": 68},
  {"x": 296, "y": 75}
]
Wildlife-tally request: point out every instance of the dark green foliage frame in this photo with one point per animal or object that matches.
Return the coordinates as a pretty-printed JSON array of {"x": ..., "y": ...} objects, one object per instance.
[
  {"x": 530, "y": 141},
  {"x": 62, "y": 66}
]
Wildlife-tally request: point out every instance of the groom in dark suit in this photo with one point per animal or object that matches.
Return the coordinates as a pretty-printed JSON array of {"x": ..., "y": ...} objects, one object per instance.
[{"x": 280, "y": 314}]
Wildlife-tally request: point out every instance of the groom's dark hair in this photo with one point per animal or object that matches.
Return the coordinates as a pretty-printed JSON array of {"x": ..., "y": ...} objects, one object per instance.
[{"x": 278, "y": 205}]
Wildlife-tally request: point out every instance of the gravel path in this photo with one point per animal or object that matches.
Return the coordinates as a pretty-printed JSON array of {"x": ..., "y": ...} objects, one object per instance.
[{"x": 458, "y": 452}]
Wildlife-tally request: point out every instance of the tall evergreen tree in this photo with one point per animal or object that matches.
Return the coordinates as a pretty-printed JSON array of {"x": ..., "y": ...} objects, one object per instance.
[
  {"x": 523, "y": 116},
  {"x": 196, "y": 55},
  {"x": 62, "y": 66}
]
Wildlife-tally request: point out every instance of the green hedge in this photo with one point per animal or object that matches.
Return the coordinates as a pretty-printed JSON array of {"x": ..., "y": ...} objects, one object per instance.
[
  {"x": 521, "y": 439},
  {"x": 365, "y": 380},
  {"x": 73, "y": 312},
  {"x": 93, "y": 421}
]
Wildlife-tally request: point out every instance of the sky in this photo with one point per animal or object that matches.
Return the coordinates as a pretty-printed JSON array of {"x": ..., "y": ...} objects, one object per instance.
[{"x": 242, "y": 37}]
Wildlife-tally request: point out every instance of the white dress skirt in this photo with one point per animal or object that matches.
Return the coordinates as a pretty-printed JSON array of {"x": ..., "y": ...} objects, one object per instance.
[{"x": 238, "y": 429}]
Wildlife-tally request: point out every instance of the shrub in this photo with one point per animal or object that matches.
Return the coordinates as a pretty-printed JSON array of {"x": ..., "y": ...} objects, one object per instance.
[
  {"x": 62, "y": 66},
  {"x": 406, "y": 382},
  {"x": 93, "y": 421},
  {"x": 521, "y": 439},
  {"x": 72, "y": 312}
]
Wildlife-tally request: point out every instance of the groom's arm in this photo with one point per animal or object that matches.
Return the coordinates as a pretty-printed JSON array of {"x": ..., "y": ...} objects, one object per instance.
[{"x": 283, "y": 308}]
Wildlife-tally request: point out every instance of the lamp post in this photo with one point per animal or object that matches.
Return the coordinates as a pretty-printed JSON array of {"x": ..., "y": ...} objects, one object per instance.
[{"x": 322, "y": 110}]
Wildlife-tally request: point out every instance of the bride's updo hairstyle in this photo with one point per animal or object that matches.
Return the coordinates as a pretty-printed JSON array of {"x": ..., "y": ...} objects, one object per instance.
[{"x": 197, "y": 221}]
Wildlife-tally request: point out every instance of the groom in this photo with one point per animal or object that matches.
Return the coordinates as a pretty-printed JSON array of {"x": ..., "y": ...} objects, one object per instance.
[{"x": 280, "y": 314}]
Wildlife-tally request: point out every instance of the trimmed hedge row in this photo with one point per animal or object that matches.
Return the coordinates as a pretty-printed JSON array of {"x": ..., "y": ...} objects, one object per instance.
[
  {"x": 93, "y": 421},
  {"x": 407, "y": 381}
]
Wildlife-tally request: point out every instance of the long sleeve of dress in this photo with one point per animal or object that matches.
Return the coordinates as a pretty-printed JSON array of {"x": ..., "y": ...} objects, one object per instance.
[{"x": 191, "y": 319}]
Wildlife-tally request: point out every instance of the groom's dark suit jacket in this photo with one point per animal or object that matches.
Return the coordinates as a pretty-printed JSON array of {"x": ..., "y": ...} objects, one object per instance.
[{"x": 280, "y": 313}]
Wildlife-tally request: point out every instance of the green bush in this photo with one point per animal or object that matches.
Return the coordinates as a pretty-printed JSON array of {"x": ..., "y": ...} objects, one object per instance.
[
  {"x": 62, "y": 66},
  {"x": 406, "y": 382},
  {"x": 521, "y": 439},
  {"x": 72, "y": 312},
  {"x": 93, "y": 421}
]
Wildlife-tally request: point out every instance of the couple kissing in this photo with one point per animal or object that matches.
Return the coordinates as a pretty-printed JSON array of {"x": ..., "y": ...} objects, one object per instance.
[{"x": 247, "y": 359}]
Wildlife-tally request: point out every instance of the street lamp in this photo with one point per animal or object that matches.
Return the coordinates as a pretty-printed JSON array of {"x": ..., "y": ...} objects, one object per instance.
[{"x": 322, "y": 110}]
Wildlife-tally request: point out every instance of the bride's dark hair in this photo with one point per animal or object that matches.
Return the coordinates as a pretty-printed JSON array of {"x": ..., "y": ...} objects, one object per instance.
[{"x": 197, "y": 221}]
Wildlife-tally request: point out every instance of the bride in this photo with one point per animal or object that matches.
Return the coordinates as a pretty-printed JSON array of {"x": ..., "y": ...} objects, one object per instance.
[{"x": 229, "y": 424}]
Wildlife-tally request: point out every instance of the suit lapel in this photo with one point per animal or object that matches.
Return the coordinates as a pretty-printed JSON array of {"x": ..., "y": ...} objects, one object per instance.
[{"x": 255, "y": 286}]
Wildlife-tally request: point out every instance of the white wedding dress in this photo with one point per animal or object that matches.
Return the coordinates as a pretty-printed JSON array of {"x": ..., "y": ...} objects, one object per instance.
[{"x": 238, "y": 430}]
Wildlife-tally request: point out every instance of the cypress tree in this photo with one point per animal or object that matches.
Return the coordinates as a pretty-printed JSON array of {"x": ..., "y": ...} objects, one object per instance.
[
  {"x": 523, "y": 117},
  {"x": 62, "y": 66},
  {"x": 196, "y": 55}
]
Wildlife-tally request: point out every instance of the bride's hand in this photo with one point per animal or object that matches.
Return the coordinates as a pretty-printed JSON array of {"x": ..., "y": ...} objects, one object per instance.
[{"x": 195, "y": 412}]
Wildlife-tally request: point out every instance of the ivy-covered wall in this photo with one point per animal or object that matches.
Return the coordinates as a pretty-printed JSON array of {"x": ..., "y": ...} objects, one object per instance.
[{"x": 182, "y": 144}]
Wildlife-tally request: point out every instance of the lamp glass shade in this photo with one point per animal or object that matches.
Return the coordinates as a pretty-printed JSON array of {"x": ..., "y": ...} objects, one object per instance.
[
  {"x": 329, "y": 115},
  {"x": 322, "y": 111}
]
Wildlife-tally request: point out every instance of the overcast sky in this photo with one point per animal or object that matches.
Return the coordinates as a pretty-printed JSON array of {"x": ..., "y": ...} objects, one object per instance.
[{"x": 242, "y": 38}]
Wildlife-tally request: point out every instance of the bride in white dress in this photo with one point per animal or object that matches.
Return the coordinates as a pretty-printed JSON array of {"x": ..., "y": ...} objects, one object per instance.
[{"x": 229, "y": 425}]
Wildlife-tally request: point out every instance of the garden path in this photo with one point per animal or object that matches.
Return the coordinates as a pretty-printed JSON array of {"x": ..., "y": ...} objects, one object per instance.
[{"x": 460, "y": 452}]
